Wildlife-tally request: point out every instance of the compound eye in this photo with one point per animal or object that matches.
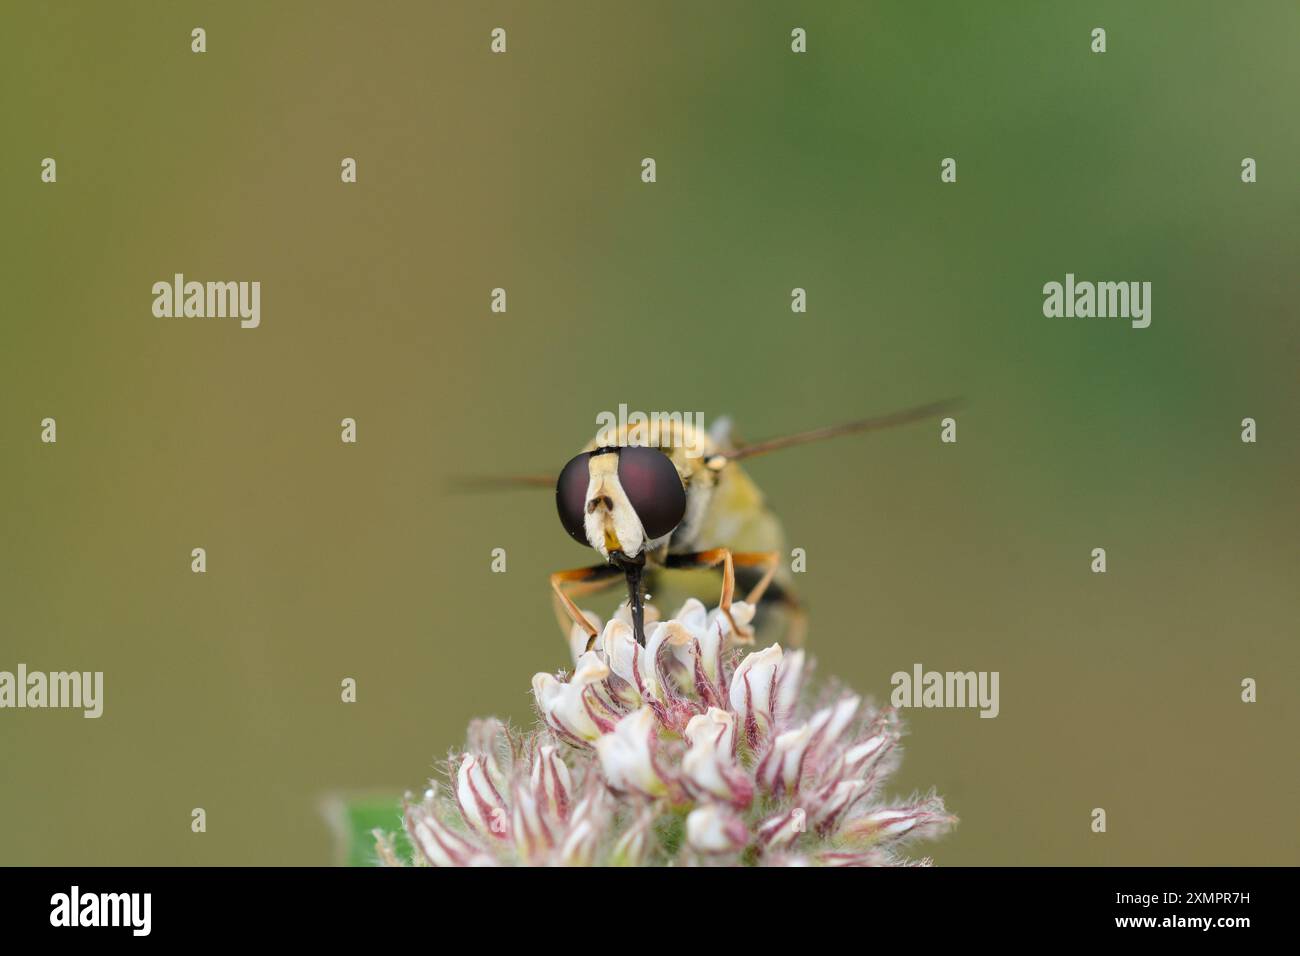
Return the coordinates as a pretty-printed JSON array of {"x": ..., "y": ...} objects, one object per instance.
[
  {"x": 654, "y": 488},
  {"x": 571, "y": 496}
]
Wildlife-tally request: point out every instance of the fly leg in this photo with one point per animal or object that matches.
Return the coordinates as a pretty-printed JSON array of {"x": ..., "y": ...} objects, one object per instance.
[
  {"x": 729, "y": 561},
  {"x": 582, "y": 581}
]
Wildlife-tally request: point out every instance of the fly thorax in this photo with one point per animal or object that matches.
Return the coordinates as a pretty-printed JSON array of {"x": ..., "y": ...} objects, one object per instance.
[{"x": 699, "y": 492}]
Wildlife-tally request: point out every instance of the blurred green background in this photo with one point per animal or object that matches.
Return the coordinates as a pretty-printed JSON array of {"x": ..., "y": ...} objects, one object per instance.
[{"x": 522, "y": 171}]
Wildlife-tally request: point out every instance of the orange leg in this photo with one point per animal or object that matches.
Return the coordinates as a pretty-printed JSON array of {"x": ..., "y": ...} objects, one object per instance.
[
  {"x": 729, "y": 560},
  {"x": 585, "y": 581}
]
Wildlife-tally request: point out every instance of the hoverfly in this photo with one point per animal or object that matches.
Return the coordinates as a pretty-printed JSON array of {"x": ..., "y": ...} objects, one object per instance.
[{"x": 640, "y": 500}]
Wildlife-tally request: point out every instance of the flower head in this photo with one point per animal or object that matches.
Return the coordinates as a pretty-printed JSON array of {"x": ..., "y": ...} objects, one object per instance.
[{"x": 692, "y": 749}]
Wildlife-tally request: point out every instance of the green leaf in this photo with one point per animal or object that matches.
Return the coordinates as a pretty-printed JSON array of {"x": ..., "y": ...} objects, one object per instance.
[{"x": 354, "y": 820}]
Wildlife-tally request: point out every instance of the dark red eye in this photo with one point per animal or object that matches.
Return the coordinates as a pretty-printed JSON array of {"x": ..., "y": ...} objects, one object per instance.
[
  {"x": 571, "y": 496},
  {"x": 653, "y": 487}
]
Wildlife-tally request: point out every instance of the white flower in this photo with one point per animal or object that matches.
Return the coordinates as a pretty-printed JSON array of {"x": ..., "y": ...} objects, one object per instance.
[
  {"x": 860, "y": 758},
  {"x": 789, "y": 684},
  {"x": 633, "y": 847},
  {"x": 681, "y": 732},
  {"x": 679, "y": 663},
  {"x": 709, "y": 767},
  {"x": 630, "y": 661},
  {"x": 712, "y": 828},
  {"x": 781, "y": 767},
  {"x": 578, "y": 636},
  {"x": 487, "y": 738},
  {"x": 782, "y": 829},
  {"x": 580, "y": 844},
  {"x": 742, "y": 613},
  {"x": 532, "y": 835},
  {"x": 586, "y": 826},
  {"x": 752, "y": 687},
  {"x": 627, "y": 755},
  {"x": 480, "y": 802},
  {"x": 890, "y": 824},
  {"x": 834, "y": 800},
  {"x": 715, "y": 729},
  {"x": 568, "y": 707},
  {"x": 438, "y": 845},
  {"x": 624, "y": 614},
  {"x": 551, "y": 786},
  {"x": 829, "y": 723},
  {"x": 694, "y": 619}
]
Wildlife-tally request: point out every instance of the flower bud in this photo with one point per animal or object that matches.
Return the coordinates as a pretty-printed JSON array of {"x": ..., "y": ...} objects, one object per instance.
[
  {"x": 789, "y": 684},
  {"x": 752, "y": 688},
  {"x": 782, "y": 829},
  {"x": 533, "y": 837},
  {"x": 829, "y": 804},
  {"x": 627, "y": 755},
  {"x": 579, "y": 845},
  {"x": 488, "y": 739},
  {"x": 887, "y": 825},
  {"x": 708, "y": 638},
  {"x": 709, "y": 767},
  {"x": 551, "y": 786},
  {"x": 588, "y": 821},
  {"x": 630, "y": 661},
  {"x": 712, "y": 828},
  {"x": 781, "y": 768},
  {"x": 579, "y": 636},
  {"x": 436, "y": 843},
  {"x": 570, "y": 708},
  {"x": 742, "y": 613},
  {"x": 479, "y": 800},
  {"x": 860, "y": 758},
  {"x": 633, "y": 847},
  {"x": 829, "y": 724}
]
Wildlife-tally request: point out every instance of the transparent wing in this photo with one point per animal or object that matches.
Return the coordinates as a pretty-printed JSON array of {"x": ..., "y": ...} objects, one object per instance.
[
  {"x": 466, "y": 484},
  {"x": 904, "y": 417}
]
